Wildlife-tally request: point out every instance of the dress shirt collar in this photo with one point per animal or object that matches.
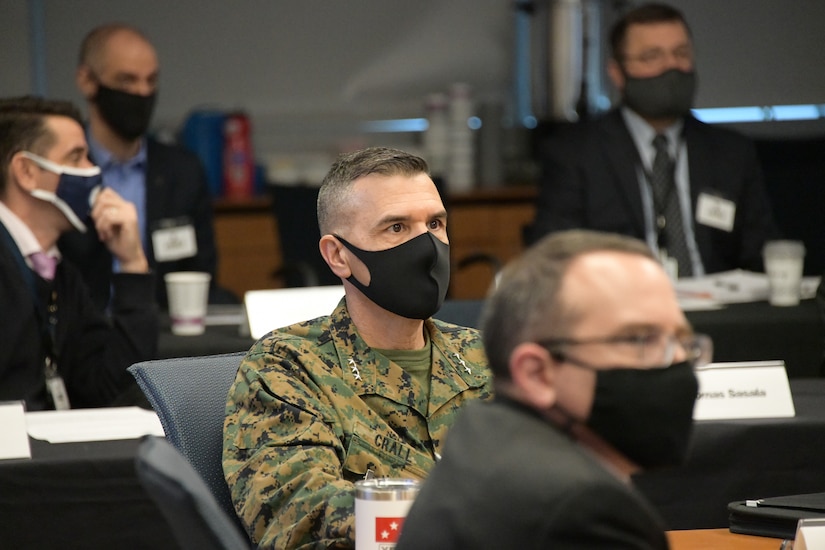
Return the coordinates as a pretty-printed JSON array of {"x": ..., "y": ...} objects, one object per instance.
[
  {"x": 643, "y": 134},
  {"x": 103, "y": 158},
  {"x": 22, "y": 235}
]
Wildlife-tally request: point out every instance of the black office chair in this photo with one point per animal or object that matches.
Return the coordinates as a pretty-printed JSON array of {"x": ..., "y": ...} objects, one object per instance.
[
  {"x": 189, "y": 395},
  {"x": 196, "y": 519},
  {"x": 296, "y": 218},
  {"x": 466, "y": 313}
]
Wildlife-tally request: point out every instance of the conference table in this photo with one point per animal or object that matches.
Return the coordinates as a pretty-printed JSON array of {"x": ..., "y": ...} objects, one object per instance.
[
  {"x": 740, "y": 332},
  {"x": 79, "y": 495},
  {"x": 719, "y": 539},
  {"x": 88, "y": 495},
  {"x": 737, "y": 460},
  {"x": 225, "y": 333}
]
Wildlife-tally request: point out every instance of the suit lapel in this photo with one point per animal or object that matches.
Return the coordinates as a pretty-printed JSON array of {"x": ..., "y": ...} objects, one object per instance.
[
  {"x": 155, "y": 185},
  {"x": 155, "y": 194},
  {"x": 623, "y": 160},
  {"x": 700, "y": 176}
]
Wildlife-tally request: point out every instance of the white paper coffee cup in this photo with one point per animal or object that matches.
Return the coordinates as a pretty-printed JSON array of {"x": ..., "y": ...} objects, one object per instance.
[
  {"x": 381, "y": 505},
  {"x": 784, "y": 262},
  {"x": 188, "y": 295}
]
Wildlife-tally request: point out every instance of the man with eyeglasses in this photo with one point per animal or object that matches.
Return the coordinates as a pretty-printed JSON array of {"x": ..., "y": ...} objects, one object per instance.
[
  {"x": 649, "y": 169},
  {"x": 592, "y": 362}
]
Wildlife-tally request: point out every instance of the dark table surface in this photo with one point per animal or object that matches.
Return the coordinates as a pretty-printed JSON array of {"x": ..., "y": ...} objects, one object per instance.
[
  {"x": 218, "y": 338},
  {"x": 758, "y": 331},
  {"x": 78, "y": 495},
  {"x": 737, "y": 460}
]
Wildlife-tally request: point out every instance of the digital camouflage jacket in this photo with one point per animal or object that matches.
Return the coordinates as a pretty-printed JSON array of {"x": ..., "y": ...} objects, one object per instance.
[{"x": 313, "y": 408}]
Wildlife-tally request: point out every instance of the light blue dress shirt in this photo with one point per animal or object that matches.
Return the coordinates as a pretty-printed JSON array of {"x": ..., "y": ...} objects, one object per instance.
[
  {"x": 128, "y": 179},
  {"x": 643, "y": 134}
]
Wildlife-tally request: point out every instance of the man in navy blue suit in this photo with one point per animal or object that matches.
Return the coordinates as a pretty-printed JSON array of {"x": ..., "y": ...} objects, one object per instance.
[
  {"x": 603, "y": 174},
  {"x": 118, "y": 76}
]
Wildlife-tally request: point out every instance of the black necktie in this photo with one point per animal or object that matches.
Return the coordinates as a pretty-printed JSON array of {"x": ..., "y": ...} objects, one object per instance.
[{"x": 667, "y": 212}]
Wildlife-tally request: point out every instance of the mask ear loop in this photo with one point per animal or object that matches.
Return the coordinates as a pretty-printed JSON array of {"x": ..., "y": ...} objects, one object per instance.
[
  {"x": 55, "y": 168},
  {"x": 557, "y": 414}
]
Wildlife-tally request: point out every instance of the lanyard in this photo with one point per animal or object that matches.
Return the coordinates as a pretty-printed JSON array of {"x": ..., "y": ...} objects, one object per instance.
[{"x": 47, "y": 323}]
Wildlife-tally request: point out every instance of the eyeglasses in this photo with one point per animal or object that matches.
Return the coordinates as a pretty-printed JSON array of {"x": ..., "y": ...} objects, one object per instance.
[
  {"x": 649, "y": 350},
  {"x": 658, "y": 57}
]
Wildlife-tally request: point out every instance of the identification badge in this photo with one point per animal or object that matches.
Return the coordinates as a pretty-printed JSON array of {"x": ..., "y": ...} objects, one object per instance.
[
  {"x": 57, "y": 390},
  {"x": 174, "y": 243},
  {"x": 670, "y": 265},
  {"x": 715, "y": 212}
]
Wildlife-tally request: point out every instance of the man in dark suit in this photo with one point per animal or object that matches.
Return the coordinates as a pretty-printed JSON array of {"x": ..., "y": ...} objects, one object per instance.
[
  {"x": 58, "y": 350},
  {"x": 701, "y": 203},
  {"x": 118, "y": 76},
  {"x": 592, "y": 364}
]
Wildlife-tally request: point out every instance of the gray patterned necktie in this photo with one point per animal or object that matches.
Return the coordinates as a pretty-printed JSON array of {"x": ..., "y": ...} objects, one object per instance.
[{"x": 667, "y": 212}]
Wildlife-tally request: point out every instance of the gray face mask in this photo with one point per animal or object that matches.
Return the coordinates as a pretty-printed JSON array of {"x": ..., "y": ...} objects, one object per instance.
[{"x": 668, "y": 95}]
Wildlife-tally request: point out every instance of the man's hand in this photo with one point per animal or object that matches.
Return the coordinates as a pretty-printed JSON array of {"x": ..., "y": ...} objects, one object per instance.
[{"x": 116, "y": 222}]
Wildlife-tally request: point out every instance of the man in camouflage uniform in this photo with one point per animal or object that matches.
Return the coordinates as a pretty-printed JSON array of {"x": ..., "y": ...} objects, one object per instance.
[{"x": 375, "y": 386}]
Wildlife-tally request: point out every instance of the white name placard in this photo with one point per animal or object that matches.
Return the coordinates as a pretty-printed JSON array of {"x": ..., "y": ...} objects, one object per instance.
[
  {"x": 810, "y": 534},
  {"x": 14, "y": 440},
  {"x": 751, "y": 389}
]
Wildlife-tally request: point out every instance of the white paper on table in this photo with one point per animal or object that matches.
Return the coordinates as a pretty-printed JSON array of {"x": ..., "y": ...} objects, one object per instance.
[
  {"x": 93, "y": 424},
  {"x": 14, "y": 442},
  {"x": 731, "y": 287}
]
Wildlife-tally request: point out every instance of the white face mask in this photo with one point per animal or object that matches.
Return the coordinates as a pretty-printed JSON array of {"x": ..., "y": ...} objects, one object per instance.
[{"x": 76, "y": 192}]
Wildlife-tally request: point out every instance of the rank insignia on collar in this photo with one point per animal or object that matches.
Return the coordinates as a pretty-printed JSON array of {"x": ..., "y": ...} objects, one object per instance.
[
  {"x": 354, "y": 368},
  {"x": 463, "y": 364}
]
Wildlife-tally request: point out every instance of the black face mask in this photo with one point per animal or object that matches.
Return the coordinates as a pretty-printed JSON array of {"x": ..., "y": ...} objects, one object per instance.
[
  {"x": 668, "y": 95},
  {"x": 647, "y": 414},
  {"x": 127, "y": 114},
  {"x": 410, "y": 279}
]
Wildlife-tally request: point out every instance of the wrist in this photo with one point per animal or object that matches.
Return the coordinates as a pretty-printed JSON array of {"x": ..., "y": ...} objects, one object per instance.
[{"x": 135, "y": 265}]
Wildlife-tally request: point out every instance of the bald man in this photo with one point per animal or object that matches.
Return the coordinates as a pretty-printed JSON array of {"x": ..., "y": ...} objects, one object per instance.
[{"x": 118, "y": 75}]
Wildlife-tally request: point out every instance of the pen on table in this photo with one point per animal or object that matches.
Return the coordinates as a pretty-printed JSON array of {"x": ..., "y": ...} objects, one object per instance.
[{"x": 787, "y": 544}]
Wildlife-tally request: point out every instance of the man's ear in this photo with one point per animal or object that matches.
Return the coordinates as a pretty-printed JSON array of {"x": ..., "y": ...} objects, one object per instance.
[
  {"x": 85, "y": 81},
  {"x": 331, "y": 249},
  {"x": 533, "y": 371},
  {"x": 614, "y": 71},
  {"x": 23, "y": 171}
]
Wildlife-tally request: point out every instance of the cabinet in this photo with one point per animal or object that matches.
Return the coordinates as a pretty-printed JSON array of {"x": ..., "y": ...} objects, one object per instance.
[
  {"x": 247, "y": 243},
  {"x": 481, "y": 224},
  {"x": 486, "y": 224}
]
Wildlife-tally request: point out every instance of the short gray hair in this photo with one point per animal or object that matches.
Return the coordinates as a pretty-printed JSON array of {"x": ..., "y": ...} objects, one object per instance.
[
  {"x": 526, "y": 306},
  {"x": 335, "y": 189}
]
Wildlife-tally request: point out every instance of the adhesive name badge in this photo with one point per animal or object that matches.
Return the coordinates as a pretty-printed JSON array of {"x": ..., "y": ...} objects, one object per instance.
[
  {"x": 715, "y": 212},
  {"x": 174, "y": 243},
  {"x": 748, "y": 389}
]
